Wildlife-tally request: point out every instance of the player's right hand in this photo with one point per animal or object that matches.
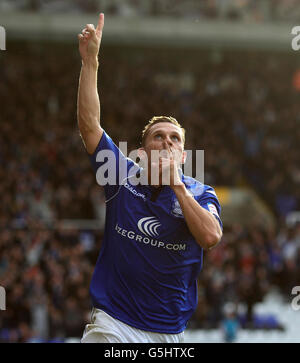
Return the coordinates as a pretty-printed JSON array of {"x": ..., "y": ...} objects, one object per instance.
[{"x": 90, "y": 40}]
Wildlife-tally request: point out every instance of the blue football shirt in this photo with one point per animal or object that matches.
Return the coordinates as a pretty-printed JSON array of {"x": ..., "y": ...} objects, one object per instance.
[{"x": 146, "y": 272}]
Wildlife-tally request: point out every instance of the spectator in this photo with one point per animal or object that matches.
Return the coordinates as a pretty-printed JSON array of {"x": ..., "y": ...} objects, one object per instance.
[{"x": 44, "y": 176}]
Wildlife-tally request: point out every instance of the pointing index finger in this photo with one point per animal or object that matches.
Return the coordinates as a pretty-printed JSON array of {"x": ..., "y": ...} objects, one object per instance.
[{"x": 100, "y": 22}]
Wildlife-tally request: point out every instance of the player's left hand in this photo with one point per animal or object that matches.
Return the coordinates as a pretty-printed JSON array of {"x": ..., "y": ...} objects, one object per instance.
[{"x": 169, "y": 169}]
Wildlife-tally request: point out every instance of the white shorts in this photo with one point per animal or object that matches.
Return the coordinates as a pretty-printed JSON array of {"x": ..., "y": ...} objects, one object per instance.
[{"x": 106, "y": 329}]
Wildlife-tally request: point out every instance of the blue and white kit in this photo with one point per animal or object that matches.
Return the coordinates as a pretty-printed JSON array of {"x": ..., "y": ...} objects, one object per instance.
[{"x": 147, "y": 269}]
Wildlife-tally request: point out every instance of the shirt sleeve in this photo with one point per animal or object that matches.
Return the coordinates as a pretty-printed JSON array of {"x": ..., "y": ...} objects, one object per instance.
[
  {"x": 210, "y": 202},
  {"x": 110, "y": 165}
]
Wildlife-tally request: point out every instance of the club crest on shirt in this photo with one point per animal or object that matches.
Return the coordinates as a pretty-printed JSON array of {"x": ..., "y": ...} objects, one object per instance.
[{"x": 176, "y": 210}]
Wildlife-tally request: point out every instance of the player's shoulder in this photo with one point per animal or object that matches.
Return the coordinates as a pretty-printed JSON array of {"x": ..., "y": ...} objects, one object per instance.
[{"x": 199, "y": 189}]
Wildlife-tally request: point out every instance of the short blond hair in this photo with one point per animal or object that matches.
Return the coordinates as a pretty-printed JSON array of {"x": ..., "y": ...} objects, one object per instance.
[{"x": 157, "y": 119}]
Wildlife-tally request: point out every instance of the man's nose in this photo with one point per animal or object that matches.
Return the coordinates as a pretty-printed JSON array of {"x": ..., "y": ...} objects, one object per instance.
[{"x": 168, "y": 142}]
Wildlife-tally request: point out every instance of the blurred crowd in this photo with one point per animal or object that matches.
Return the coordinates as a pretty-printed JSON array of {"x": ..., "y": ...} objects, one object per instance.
[
  {"x": 243, "y": 269},
  {"x": 257, "y": 11},
  {"x": 241, "y": 108},
  {"x": 46, "y": 275}
]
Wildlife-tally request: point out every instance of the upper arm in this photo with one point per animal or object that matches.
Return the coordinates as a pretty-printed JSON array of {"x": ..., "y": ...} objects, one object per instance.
[{"x": 92, "y": 138}]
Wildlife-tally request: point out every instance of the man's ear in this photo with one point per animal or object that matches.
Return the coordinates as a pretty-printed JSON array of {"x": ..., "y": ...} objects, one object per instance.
[{"x": 141, "y": 153}]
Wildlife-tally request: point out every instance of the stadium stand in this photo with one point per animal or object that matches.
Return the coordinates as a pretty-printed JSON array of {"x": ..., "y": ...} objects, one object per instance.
[{"x": 257, "y": 11}]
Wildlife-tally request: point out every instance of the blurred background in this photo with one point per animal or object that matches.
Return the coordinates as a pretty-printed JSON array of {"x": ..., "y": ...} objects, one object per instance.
[{"x": 226, "y": 70}]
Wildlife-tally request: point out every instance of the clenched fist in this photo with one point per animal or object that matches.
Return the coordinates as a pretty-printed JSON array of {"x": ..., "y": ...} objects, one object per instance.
[{"x": 90, "y": 40}]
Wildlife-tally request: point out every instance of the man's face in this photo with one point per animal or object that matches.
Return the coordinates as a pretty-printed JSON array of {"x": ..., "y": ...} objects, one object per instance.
[{"x": 167, "y": 137}]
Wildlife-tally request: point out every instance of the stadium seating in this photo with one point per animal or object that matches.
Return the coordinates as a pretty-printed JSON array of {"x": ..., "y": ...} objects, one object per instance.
[{"x": 232, "y": 106}]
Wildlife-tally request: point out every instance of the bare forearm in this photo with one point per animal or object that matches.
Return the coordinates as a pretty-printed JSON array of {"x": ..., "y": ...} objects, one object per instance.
[
  {"x": 201, "y": 223},
  {"x": 88, "y": 103}
]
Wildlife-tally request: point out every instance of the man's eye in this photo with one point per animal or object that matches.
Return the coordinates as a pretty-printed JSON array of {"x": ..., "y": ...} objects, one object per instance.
[
  {"x": 176, "y": 138},
  {"x": 158, "y": 136}
]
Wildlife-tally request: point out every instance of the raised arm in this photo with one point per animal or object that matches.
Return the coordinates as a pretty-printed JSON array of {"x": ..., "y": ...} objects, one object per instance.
[{"x": 88, "y": 103}]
